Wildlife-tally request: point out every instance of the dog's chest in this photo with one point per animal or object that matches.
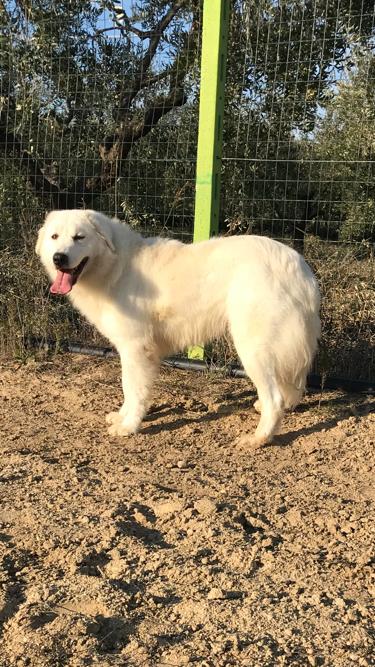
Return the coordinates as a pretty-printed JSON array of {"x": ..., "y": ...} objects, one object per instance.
[
  {"x": 94, "y": 308},
  {"x": 109, "y": 318}
]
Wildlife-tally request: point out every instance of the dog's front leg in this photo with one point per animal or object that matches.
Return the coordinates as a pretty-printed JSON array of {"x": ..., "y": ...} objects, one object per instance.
[{"x": 139, "y": 369}]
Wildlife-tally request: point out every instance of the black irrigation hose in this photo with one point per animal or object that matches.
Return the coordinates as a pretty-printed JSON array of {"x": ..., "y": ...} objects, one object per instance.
[
  {"x": 313, "y": 380},
  {"x": 196, "y": 365}
]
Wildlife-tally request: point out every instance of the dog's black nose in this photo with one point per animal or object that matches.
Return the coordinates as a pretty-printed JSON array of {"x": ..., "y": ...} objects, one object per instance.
[{"x": 60, "y": 260}]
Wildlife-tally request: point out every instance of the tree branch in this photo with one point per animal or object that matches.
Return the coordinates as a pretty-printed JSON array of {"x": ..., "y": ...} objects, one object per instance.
[
  {"x": 113, "y": 152},
  {"x": 153, "y": 114},
  {"x": 157, "y": 33},
  {"x": 114, "y": 149},
  {"x": 155, "y": 78},
  {"x": 143, "y": 34}
]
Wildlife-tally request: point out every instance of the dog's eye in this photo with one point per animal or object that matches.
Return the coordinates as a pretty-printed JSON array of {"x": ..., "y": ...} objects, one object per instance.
[
  {"x": 78, "y": 237},
  {"x": 54, "y": 236}
]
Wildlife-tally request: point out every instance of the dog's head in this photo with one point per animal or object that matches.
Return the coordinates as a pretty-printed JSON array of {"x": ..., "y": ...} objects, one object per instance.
[{"x": 70, "y": 242}]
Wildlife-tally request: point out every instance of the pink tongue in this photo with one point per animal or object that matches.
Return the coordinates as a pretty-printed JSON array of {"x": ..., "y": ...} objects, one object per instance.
[{"x": 62, "y": 284}]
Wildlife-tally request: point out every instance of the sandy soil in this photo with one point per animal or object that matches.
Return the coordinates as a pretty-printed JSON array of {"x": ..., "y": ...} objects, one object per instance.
[{"x": 173, "y": 547}]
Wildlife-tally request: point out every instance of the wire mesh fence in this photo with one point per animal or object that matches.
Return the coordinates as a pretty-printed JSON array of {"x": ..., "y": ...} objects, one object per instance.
[
  {"x": 298, "y": 159},
  {"x": 99, "y": 108}
]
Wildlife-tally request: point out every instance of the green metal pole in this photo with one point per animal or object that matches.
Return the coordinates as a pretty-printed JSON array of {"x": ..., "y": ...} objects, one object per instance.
[{"x": 210, "y": 131}]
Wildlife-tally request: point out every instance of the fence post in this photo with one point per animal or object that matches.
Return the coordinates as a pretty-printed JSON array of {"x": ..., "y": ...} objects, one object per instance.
[{"x": 210, "y": 129}]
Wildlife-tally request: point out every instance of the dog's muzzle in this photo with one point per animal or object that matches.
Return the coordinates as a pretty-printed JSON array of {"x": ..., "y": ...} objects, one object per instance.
[{"x": 60, "y": 260}]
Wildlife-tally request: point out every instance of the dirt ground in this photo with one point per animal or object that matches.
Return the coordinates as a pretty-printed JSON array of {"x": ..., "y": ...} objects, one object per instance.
[{"x": 173, "y": 547}]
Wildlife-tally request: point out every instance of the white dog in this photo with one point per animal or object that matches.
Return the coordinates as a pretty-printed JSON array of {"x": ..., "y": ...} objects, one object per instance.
[{"x": 153, "y": 297}]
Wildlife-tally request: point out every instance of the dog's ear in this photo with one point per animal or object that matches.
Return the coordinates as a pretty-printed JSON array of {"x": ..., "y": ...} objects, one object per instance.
[
  {"x": 39, "y": 240},
  {"x": 103, "y": 230}
]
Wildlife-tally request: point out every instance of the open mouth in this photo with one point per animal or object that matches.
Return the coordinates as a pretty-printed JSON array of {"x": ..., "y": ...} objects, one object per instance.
[{"x": 66, "y": 278}]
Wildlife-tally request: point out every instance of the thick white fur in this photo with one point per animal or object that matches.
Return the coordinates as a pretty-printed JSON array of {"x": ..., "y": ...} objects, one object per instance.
[{"x": 154, "y": 297}]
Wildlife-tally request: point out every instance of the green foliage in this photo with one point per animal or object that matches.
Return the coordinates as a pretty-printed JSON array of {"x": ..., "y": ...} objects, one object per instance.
[
  {"x": 71, "y": 90},
  {"x": 343, "y": 150},
  {"x": 286, "y": 62}
]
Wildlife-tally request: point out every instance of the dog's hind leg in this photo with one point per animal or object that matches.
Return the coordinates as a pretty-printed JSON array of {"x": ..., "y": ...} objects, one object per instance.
[
  {"x": 139, "y": 369},
  {"x": 292, "y": 397},
  {"x": 259, "y": 367}
]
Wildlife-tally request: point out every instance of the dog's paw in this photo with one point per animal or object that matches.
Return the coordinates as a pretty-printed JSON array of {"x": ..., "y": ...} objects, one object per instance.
[
  {"x": 123, "y": 427},
  {"x": 249, "y": 442},
  {"x": 113, "y": 417},
  {"x": 257, "y": 406}
]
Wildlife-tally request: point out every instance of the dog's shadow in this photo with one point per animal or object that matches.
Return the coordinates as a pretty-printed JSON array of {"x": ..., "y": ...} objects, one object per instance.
[
  {"x": 339, "y": 406},
  {"x": 286, "y": 439},
  {"x": 231, "y": 405},
  {"x": 341, "y": 409},
  {"x": 176, "y": 424}
]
